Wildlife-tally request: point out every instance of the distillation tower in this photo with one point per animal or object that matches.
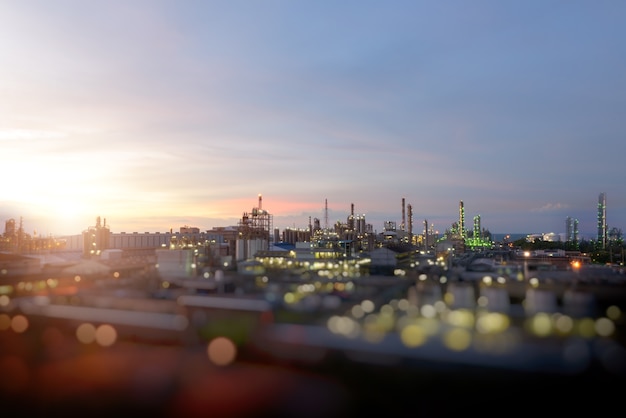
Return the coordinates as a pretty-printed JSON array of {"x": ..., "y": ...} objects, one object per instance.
[{"x": 254, "y": 232}]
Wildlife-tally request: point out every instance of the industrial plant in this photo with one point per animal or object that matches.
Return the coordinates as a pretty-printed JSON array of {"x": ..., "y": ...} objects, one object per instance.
[{"x": 156, "y": 323}]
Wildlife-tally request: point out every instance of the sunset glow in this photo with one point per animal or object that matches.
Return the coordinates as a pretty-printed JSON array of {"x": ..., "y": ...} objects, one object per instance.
[{"x": 156, "y": 115}]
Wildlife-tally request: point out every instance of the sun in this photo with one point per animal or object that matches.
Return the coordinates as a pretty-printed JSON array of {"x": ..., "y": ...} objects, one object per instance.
[{"x": 67, "y": 209}]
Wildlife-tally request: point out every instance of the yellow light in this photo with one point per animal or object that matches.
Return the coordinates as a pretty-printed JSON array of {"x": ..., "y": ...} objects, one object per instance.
[
  {"x": 613, "y": 312},
  {"x": 586, "y": 327},
  {"x": 374, "y": 328},
  {"x": 604, "y": 327},
  {"x": 458, "y": 339},
  {"x": 289, "y": 297},
  {"x": 461, "y": 318},
  {"x": 492, "y": 322},
  {"x": 413, "y": 335},
  {"x": 541, "y": 325}
]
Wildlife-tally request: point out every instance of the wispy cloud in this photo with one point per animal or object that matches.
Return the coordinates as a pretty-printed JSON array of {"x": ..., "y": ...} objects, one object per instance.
[
  {"x": 29, "y": 134},
  {"x": 550, "y": 207}
]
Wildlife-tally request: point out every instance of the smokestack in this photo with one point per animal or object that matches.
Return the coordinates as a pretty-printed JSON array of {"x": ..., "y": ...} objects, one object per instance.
[
  {"x": 403, "y": 216},
  {"x": 260, "y": 201},
  {"x": 410, "y": 226},
  {"x": 325, "y": 213}
]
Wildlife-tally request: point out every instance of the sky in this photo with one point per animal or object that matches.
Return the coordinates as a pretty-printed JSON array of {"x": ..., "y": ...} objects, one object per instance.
[{"x": 159, "y": 114}]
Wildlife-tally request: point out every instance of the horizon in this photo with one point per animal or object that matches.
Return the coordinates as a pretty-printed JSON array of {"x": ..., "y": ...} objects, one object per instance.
[
  {"x": 205, "y": 224},
  {"x": 160, "y": 114}
]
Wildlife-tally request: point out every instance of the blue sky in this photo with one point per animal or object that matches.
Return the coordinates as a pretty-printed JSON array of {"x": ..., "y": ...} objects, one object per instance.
[{"x": 159, "y": 114}]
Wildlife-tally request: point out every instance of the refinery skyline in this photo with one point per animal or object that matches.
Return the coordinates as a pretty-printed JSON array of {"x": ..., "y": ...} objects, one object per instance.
[
  {"x": 160, "y": 114},
  {"x": 404, "y": 219}
]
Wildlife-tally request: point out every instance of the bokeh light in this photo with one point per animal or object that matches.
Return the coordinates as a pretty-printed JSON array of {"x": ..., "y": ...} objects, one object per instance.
[
  {"x": 19, "y": 323},
  {"x": 106, "y": 335},
  {"x": 221, "y": 351},
  {"x": 413, "y": 335},
  {"x": 604, "y": 327},
  {"x": 457, "y": 339},
  {"x": 86, "y": 333}
]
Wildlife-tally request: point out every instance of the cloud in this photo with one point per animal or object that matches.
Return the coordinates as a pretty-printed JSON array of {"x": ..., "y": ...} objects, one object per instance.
[
  {"x": 550, "y": 207},
  {"x": 28, "y": 134}
]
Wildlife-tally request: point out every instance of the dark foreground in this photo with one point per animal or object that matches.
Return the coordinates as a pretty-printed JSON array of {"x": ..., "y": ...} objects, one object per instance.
[{"x": 279, "y": 362}]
